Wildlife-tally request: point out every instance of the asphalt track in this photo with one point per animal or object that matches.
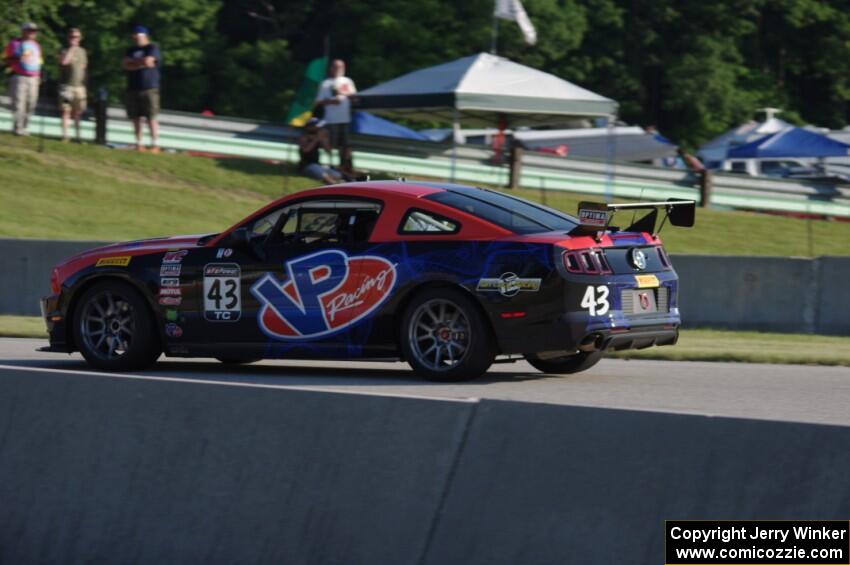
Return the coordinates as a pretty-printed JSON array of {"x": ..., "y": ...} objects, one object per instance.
[{"x": 795, "y": 393}]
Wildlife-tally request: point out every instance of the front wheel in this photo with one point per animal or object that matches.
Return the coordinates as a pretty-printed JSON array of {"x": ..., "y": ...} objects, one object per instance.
[
  {"x": 445, "y": 338},
  {"x": 568, "y": 364},
  {"x": 114, "y": 328}
]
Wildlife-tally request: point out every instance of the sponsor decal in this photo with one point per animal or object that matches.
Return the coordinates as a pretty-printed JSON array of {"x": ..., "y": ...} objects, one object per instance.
[
  {"x": 222, "y": 292},
  {"x": 223, "y": 253},
  {"x": 593, "y": 214},
  {"x": 322, "y": 293},
  {"x": 222, "y": 270},
  {"x": 170, "y": 270},
  {"x": 637, "y": 258},
  {"x": 167, "y": 291},
  {"x": 509, "y": 284},
  {"x": 171, "y": 315},
  {"x": 173, "y": 330},
  {"x": 175, "y": 256},
  {"x": 122, "y": 261},
  {"x": 646, "y": 281},
  {"x": 170, "y": 300},
  {"x": 169, "y": 282}
]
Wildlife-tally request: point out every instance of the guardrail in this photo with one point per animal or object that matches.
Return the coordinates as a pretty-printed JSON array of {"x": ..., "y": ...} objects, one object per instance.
[{"x": 246, "y": 138}]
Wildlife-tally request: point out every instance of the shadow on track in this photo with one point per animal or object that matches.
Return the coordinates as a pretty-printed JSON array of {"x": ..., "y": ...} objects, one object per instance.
[{"x": 282, "y": 374}]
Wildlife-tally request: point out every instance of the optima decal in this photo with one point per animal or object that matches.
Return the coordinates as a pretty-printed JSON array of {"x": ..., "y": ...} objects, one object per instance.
[{"x": 323, "y": 293}]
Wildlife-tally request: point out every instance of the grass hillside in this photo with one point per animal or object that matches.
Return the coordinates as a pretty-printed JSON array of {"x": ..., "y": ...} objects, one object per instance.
[{"x": 71, "y": 191}]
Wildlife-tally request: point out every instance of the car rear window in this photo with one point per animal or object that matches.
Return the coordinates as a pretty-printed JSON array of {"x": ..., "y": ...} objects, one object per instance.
[{"x": 509, "y": 212}]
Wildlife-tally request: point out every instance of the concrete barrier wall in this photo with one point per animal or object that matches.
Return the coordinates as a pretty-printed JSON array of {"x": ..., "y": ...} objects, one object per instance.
[
  {"x": 782, "y": 294},
  {"x": 97, "y": 469},
  {"x": 103, "y": 469},
  {"x": 25, "y": 266},
  {"x": 560, "y": 484}
]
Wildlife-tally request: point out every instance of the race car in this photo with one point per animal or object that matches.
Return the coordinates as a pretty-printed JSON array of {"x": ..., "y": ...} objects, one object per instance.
[{"x": 449, "y": 278}]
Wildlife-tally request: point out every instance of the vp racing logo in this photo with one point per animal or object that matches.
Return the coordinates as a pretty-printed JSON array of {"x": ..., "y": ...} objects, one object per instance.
[{"x": 323, "y": 293}]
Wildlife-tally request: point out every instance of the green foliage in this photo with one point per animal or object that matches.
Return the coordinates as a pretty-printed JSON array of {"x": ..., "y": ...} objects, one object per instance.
[
  {"x": 692, "y": 68},
  {"x": 255, "y": 80}
]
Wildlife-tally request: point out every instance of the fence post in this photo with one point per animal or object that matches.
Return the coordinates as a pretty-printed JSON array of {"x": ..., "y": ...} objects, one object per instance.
[
  {"x": 516, "y": 164},
  {"x": 705, "y": 188},
  {"x": 100, "y": 117}
]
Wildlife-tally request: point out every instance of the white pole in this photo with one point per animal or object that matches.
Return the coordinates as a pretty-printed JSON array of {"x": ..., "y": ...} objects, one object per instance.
[
  {"x": 455, "y": 133},
  {"x": 612, "y": 153}
]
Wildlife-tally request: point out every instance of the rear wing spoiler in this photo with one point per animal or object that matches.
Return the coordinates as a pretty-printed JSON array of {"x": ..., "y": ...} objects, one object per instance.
[{"x": 595, "y": 217}]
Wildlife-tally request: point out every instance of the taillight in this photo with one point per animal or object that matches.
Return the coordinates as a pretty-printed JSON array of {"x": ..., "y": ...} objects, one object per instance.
[
  {"x": 586, "y": 261},
  {"x": 571, "y": 262}
]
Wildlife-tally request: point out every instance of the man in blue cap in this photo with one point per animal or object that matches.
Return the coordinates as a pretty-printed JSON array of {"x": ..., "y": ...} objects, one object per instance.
[{"x": 141, "y": 63}]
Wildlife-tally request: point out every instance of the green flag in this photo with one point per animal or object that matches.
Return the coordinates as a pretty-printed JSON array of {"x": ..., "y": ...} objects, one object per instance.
[{"x": 302, "y": 105}]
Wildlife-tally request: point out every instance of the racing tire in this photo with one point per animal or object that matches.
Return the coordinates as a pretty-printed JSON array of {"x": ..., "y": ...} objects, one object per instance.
[
  {"x": 445, "y": 338},
  {"x": 566, "y": 365},
  {"x": 114, "y": 328}
]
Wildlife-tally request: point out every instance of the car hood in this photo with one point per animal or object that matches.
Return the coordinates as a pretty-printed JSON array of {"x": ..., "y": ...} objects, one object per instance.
[
  {"x": 128, "y": 248},
  {"x": 142, "y": 246}
]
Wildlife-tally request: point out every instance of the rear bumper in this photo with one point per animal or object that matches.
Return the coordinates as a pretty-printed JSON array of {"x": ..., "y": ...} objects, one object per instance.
[
  {"x": 640, "y": 338},
  {"x": 575, "y": 330}
]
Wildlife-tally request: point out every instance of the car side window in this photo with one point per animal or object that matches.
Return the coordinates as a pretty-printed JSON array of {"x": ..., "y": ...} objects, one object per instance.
[
  {"x": 320, "y": 221},
  {"x": 264, "y": 226},
  {"x": 424, "y": 222}
]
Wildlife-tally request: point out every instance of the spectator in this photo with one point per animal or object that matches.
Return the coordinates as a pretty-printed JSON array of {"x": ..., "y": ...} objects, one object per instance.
[
  {"x": 311, "y": 139},
  {"x": 73, "y": 62},
  {"x": 142, "y": 63},
  {"x": 334, "y": 97},
  {"x": 23, "y": 57}
]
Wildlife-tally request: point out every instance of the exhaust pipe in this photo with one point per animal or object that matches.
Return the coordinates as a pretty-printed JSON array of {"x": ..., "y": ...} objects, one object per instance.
[{"x": 591, "y": 342}]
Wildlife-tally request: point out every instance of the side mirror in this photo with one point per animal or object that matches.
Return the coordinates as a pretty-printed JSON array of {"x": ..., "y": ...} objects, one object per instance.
[{"x": 239, "y": 238}]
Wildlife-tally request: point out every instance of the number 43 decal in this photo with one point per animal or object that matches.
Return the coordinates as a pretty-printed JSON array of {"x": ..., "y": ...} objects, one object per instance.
[
  {"x": 222, "y": 292},
  {"x": 596, "y": 300}
]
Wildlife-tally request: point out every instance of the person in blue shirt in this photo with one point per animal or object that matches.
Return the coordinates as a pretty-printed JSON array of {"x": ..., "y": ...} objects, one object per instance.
[{"x": 141, "y": 64}]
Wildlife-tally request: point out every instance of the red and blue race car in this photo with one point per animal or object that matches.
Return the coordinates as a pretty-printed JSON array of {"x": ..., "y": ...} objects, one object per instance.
[{"x": 446, "y": 277}]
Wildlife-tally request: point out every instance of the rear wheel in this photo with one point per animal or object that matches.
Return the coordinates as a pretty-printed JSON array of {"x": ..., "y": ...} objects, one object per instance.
[
  {"x": 565, "y": 365},
  {"x": 445, "y": 338},
  {"x": 114, "y": 328}
]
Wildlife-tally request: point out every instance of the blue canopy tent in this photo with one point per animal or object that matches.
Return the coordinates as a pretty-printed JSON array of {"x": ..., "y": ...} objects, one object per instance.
[
  {"x": 370, "y": 124},
  {"x": 791, "y": 142}
]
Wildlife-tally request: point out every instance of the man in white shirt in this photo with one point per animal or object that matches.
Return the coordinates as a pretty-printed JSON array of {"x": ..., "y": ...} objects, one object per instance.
[{"x": 334, "y": 96}]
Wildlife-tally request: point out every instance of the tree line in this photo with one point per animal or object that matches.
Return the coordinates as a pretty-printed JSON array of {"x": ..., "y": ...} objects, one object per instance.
[{"x": 691, "y": 68}]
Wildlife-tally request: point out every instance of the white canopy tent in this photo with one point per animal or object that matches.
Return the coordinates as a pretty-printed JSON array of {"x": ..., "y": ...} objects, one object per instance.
[
  {"x": 485, "y": 90},
  {"x": 479, "y": 90}
]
